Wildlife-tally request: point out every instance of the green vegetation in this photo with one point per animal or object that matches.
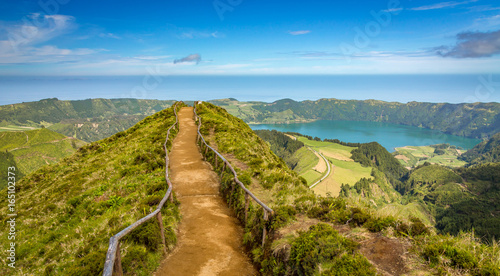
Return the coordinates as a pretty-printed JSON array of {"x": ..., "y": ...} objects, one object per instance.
[
  {"x": 323, "y": 246},
  {"x": 374, "y": 155},
  {"x": 268, "y": 177},
  {"x": 443, "y": 154},
  {"x": 76, "y": 205},
  {"x": 459, "y": 255},
  {"x": 88, "y": 120},
  {"x": 486, "y": 151},
  {"x": 478, "y": 208},
  {"x": 475, "y": 120},
  {"x": 7, "y": 160},
  {"x": 35, "y": 148},
  {"x": 282, "y": 145}
]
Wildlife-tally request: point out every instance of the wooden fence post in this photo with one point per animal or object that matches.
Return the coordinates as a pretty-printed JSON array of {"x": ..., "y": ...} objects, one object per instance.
[
  {"x": 162, "y": 231},
  {"x": 264, "y": 231},
  {"x": 232, "y": 191},
  {"x": 117, "y": 267},
  {"x": 223, "y": 169},
  {"x": 247, "y": 202},
  {"x": 216, "y": 162}
]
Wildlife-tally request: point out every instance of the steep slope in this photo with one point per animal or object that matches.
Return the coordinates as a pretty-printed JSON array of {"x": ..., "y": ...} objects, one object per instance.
[
  {"x": 76, "y": 205},
  {"x": 484, "y": 152},
  {"x": 374, "y": 155},
  {"x": 88, "y": 120},
  {"x": 475, "y": 120},
  {"x": 7, "y": 161},
  {"x": 301, "y": 238},
  {"x": 283, "y": 146},
  {"x": 36, "y": 148}
]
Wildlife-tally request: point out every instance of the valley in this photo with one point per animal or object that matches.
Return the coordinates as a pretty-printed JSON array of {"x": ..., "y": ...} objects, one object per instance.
[{"x": 369, "y": 198}]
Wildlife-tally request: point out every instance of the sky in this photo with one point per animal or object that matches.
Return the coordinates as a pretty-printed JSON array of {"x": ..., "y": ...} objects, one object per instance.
[{"x": 243, "y": 37}]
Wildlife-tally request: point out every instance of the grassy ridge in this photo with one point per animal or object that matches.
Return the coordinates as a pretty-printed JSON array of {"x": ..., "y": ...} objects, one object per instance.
[
  {"x": 287, "y": 195},
  {"x": 88, "y": 120},
  {"x": 77, "y": 204}
]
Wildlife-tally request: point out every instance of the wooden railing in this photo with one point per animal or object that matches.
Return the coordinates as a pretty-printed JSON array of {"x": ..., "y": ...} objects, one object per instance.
[
  {"x": 113, "y": 262},
  {"x": 225, "y": 165}
]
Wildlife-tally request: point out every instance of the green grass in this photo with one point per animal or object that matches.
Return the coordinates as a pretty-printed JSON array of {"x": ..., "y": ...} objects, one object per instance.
[
  {"x": 15, "y": 128},
  {"x": 417, "y": 155},
  {"x": 307, "y": 161},
  {"x": 311, "y": 176},
  {"x": 413, "y": 209},
  {"x": 349, "y": 172},
  {"x": 76, "y": 205},
  {"x": 34, "y": 149}
]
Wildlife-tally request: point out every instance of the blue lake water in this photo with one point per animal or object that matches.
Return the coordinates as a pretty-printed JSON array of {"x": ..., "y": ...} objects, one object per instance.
[{"x": 388, "y": 135}]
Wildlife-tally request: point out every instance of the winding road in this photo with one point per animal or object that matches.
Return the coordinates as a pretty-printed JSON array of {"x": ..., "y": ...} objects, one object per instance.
[{"x": 328, "y": 168}]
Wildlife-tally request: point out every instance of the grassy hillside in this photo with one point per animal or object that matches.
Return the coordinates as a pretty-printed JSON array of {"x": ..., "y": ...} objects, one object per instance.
[
  {"x": 282, "y": 145},
  {"x": 269, "y": 178},
  {"x": 88, "y": 120},
  {"x": 484, "y": 152},
  {"x": 475, "y": 120},
  {"x": 374, "y": 155},
  {"x": 299, "y": 241},
  {"x": 33, "y": 149},
  {"x": 76, "y": 205},
  {"x": 7, "y": 160}
]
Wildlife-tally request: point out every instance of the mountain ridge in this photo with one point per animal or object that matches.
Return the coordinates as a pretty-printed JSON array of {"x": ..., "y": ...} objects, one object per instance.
[{"x": 473, "y": 120}]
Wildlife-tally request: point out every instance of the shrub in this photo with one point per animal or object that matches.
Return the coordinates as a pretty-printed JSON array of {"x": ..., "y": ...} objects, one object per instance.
[
  {"x": 359, "y": 217},
  {"x": 147, "y": 234},
  {"x": 282, "y": 215},
  {"x": 320, "y": 244},
  {"x": 348, "y": 264},
  {"x": 379, "y": 224}
]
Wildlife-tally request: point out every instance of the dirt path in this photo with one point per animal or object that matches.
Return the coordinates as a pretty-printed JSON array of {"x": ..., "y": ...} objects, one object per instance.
[{"x": 209, "y": 239}]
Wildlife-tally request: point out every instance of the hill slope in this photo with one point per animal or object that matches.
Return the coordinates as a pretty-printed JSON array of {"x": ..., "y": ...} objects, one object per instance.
[
  {"x": 7, "y": 161},
  {"x": 486, "y": 151},
  {"x": 76, "y": 205},
  {"x": 36, "y": 148},
  {"x": 308, "y": 234},
  {"x": 475, "y": 120},
  {"x": 88, "y": 120}
]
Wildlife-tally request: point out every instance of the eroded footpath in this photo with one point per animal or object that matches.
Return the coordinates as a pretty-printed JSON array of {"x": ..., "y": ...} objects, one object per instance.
[{"x": 210, "y": 238}]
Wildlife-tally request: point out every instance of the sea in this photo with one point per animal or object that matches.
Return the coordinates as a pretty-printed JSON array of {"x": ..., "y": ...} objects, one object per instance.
[{"x": 398, "y": 88}]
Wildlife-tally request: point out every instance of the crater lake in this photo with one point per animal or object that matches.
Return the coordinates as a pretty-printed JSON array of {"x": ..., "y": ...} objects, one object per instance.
[{"x": 388, "y": 135}]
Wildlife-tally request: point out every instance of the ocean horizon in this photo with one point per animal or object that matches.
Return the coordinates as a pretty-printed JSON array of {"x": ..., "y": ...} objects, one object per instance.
[{"x": 392, "y": 88}]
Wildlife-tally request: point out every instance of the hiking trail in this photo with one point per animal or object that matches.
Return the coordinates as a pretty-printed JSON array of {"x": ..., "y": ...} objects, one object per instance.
[{"x": 210, "y": 238}]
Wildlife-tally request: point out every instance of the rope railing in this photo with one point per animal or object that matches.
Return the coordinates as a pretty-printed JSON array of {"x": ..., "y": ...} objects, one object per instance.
[
  {"x": 228, "y": 165},
  {"x": 113, "y": 264}
]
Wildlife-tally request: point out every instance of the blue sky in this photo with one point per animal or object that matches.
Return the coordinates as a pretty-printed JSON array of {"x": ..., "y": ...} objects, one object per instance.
[{"x": 243, "y": 37}]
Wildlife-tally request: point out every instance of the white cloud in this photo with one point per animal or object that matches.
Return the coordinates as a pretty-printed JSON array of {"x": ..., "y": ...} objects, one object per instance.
[
  {"x": 442, "y": 5},
  {"x": 301, "y": 32},
  {"x": 22, "y": 40},
  {"x": 109, "y": 35}
]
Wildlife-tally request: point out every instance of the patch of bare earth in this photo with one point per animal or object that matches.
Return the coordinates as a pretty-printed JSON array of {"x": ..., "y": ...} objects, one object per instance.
[
  {"x": 389, "y": 255},
  {"x": 402, "y": 157},
  {"x": 337, "y": 156}
]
